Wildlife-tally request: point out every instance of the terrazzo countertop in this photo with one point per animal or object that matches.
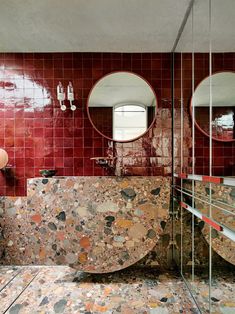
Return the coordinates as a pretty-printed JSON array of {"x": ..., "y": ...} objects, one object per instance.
[{"x": 94, "y": 224}]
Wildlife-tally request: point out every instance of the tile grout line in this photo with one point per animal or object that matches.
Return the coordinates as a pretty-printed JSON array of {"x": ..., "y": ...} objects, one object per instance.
[
  {"x": 21, "y": 293},
  {"x": 10, "y": 280}
]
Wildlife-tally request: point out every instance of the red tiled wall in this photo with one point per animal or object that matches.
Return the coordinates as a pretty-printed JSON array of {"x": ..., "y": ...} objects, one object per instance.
[
  {"x": 37, "y": 134},
  {"x": 223, "y": 162}
]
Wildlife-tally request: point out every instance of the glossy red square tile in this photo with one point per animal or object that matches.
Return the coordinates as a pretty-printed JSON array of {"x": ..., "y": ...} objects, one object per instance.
[{"x": 37, "y": 134}]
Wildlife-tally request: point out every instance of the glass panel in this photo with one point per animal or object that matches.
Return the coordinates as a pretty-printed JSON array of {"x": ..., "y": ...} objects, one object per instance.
[
  {"x": 201, "y": 280},
  {"x": 194, "y": 160},
  {"x": 207, "y": 256},
  {"x": 223, "y": 162},
  {"x": 185, "y": 237},
  {"x": 200, "y": 283},
  {"x": 223, "y": 287}
]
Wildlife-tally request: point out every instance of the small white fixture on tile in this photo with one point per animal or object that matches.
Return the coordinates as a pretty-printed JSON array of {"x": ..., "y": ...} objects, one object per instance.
[
  {"x": 70, "y": 96},
  {"x": 61, "y": 96}
]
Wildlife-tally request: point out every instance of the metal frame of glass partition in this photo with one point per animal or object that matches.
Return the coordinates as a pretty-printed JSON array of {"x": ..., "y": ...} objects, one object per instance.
[{"x": 185, "y": 200}]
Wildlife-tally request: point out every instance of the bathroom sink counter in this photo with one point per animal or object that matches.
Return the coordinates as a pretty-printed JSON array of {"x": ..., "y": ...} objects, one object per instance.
[{"x": 94, "y": 224}]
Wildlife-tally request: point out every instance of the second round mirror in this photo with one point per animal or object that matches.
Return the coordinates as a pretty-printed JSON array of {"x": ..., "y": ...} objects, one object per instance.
[{"x": 223, "y": 106}]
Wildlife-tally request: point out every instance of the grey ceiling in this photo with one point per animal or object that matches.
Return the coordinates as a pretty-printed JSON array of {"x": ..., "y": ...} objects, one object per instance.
[
  {"x": 109, "y": 25},
  {"x": 90, "y": 25},
  {"x": 222, "y": 27}
]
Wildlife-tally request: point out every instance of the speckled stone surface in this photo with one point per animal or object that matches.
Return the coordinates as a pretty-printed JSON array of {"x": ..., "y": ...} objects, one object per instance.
[
  {"x": 95, "y": 224},
  {"x": 183, "y": 235},
  {"x": 60, "y": 289},
  {"x": 222, "y": 289},
  {"x": 17, "y": 285},
  {"x": 224, "y": 197}
]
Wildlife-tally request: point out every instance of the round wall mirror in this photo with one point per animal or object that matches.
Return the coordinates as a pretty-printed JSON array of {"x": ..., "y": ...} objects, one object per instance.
[
  {"x": 223, "y": 106},
  {"x": 122, "y": 106}
]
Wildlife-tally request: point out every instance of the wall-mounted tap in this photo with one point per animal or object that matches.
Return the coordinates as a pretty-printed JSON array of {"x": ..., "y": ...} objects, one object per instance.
[{"x": 107, "y": 163}]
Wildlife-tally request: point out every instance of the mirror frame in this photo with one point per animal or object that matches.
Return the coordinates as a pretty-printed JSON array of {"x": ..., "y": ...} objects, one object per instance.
[
  {"x": 191, "y": 110},
  {"x": 109, "y": 138}
]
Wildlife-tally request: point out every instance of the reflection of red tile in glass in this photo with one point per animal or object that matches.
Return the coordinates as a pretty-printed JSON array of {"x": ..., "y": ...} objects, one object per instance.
[{"x": 218, "y": 161}]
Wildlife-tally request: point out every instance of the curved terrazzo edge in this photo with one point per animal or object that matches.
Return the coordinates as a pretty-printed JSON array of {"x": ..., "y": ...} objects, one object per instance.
[{"x": 60, "y": 220}]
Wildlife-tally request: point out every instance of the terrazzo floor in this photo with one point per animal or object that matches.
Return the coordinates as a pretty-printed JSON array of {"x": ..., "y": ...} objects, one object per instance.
[
  {"x": 60, "y": 289},
  {"x": 222, "y": 289}
]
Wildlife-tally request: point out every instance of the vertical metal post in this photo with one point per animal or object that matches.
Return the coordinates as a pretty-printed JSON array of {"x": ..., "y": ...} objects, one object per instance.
[
  {"x": 172, "y": 152},
  {"x": 193, "y": 143},
  {"x": 210, "y": 153},
  {"x": 181, "y": 158}
]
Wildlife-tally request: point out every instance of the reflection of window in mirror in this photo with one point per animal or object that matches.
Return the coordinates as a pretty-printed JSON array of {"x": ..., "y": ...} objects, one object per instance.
[
  {"x": 223, "y": 123},
  {"x": 223, "y": 110},
  {"x": 129, "y": 121},
  {"x": 122, "y": 106}
]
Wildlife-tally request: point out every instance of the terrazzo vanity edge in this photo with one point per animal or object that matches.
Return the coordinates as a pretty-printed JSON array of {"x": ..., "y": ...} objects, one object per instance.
[{"x": 59, "y": 223}]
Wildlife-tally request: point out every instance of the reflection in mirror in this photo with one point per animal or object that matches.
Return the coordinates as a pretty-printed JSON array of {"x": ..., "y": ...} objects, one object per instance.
[
  {"x": 223, "y": 106},
  {"x": 122, "y": 106}
]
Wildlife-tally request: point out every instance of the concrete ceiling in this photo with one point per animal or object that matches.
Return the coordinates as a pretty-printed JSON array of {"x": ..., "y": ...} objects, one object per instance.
[
  {"x": 90, "y": 25},
  {"x": 222, "y": 27},
  {"x": 113, "y": 25}
]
